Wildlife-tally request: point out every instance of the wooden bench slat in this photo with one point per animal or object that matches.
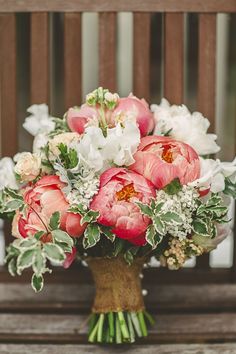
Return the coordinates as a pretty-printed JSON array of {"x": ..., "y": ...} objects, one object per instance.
[
  {"x": 180, "y": 328},
  {"x": 72, "y": 298},
  {"x": 141, "y": 56},
  {"x": 39, "y": 50},
  {"x": 72, "y": 59},
  {"x": 174, "y": 58},
  {"x": 226, "y": 348},
  {"x": 107, "y": 50},
  {"x": 122, "y": 5}
]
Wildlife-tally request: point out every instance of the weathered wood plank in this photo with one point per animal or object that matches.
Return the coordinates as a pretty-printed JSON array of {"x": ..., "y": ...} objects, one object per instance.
[
  {"x": 174, "y": 58},
  {"x": 207, "y": 67},
  {"x": 8, "y": 95},
  {"x": 72, "y": 59},
  {"x": 39, "y": 65},
  {"x": 228, "y": 348},
  {"x": 141, "y": 75},
  {"x": 77, "y": 274},
  {"x": 198, "y": 328},
  {"x": 107, "y": 50},
  {"x": 114, "y": 5},
  {"x": 78, "y": 298}
]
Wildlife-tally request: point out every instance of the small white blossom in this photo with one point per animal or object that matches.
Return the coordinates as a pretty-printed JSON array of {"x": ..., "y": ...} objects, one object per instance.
[
  {"x": 7, "y": 175},
  {"x": 181, "y": 125},
  {"x": 39, "y": 121}
]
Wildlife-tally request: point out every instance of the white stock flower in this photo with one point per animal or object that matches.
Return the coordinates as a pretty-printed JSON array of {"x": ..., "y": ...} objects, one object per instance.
[
  {"x": 39, "y": 142},
  {"x": 69, "y": 139},
  {"x": 39, "y": 121},
  {"x": 118, "y": 147},
  {"x": 7, "y": 175},
  {"x": 27, "y": 166},
  {"x": 181, "y": 125},
  {"x": 213, "y": 173}
]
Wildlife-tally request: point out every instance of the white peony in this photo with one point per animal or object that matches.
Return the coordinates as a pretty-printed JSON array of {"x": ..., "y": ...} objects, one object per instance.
[
  {"x": 7, "y": 175},
  {"x": 39, "y": 121},
  {"x": 27, "y": 166},
  {"x": 181, "y": 125},
  {"x": 213, "y": 173}
]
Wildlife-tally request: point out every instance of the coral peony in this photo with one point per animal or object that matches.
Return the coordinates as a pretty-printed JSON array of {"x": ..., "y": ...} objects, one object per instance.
[
  {"x": 133, "y": 108},
  {"x": 115, "y": 201},
  {"x": 162, "y": 159},
  {"x": 43, "y": 199}
]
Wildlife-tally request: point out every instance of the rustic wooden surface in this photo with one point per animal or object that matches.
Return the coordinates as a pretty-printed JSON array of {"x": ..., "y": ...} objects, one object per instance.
[{"x": 121, "y": 5}]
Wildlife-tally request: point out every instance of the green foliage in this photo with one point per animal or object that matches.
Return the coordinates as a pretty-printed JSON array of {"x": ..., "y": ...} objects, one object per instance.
[
  {"x": 90, "y": 217},
  {"x": 230, "y": 188},
  {"x": 55, "y": 221},
  {"x": 174, "y": 187},
  {"x": 68, "y": 157},
  {"x": 92, "y": 235}
]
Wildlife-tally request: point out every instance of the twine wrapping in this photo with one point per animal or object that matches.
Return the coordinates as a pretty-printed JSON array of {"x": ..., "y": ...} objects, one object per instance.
[{"x": 118, "y": 285}]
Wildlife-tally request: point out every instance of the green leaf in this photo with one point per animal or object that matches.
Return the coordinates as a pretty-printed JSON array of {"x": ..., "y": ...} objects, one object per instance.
[
  {"x": 145, "y": 209},
  {"x": 152, "y": 237},
  {"x": 219, "y": 211},
  {"x": 91, "y": 235},
  {"x": 173, "y": 187},
  {"x": 214, "y": 201},
  {"x": 55, "y": 221},
  {"x": 73, "y": 157},
  {"x": 159, "y": 207},
  {"x": 159, "y": 225},
  {"x": 39, "y": 234},
  {"x": 230, "y": 188},
  {"x": 90, "y": 216},
  {"x": 12, "y": 267},
  {"x": 37, "y": 282},
  {"x": 54, "y": 253},
  {"x": 200, "y": 227},
  {"x": 107, "y": 232},
  {"x": 62, "y": 236},
  {"x": 78, "y": 209},
  {"x": 25, "y": 260},
  {"x": 171, "y": 217},
  {"x": 39, "y": 263},
  {"x": 130, "y": 253},
  {"x": 13, "y": 193},
  {"x": 28, "y": 243},
  {"x": 12, "y": 205}
]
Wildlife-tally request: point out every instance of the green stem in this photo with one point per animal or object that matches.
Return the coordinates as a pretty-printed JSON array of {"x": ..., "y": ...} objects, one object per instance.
[
  {"x": 93, "y": 334},
  {"x": 136, "y": 324},
  {"x": 142, "y": 324},
  {"x": 118, "y": 331},
  {"x": 123, "y": 325},
  {"x": 131, "y": 328},
  {"x": 100, "y": 327},
  {"x": 111, "y": 324},
  {"x": 149, "y": 318},
  {"x": 92, "y": 322}
]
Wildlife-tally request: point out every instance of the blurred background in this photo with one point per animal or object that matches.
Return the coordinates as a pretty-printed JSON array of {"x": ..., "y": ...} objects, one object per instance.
[{"x": 226, "y": 79}]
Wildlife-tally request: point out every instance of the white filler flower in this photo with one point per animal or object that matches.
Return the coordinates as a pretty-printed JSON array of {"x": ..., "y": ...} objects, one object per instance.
[
  {"x": 181, "y": 125},
  {"x": 7, "y": 175}
]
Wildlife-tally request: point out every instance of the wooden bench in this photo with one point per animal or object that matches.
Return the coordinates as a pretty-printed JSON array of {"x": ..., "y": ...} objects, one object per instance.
[{"x": 195, "y": 309}]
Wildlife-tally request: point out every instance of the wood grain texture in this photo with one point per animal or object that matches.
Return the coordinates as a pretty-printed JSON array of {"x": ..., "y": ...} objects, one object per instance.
[
  {"x": 39, "y": 51},
  {"x": 174, "y": 58},
  {"x": 207, "y": 67},
  {"x": 72, "y": 59},
  {"x": 8, "y": 95},
  {"x": 70, "y": 329},
  {"x": 141, "y": 74},
  {"x": 72, "y": 298},
  {"x": 107, "y": 50},
  {"x": 114, "y": 5},
  {"x": 227, "y": 348}
]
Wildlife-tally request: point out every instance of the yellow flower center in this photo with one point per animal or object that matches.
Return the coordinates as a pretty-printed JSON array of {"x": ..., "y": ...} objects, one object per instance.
[
  {"x": 167, "y": 154},
  {"x": 126, "y": 192}
]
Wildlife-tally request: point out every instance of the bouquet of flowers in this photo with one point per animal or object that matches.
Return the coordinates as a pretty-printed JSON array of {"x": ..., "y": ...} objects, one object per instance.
[{"x": 113, "y": 184}]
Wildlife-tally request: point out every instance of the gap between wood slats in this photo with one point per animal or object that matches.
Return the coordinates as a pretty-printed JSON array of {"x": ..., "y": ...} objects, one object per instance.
[
  {"x": 107, "y": 50},
  {"x": 207, "y": 81},
  {"x": 141, "y": 56},
  {"x": 121, "y": 5},
  {"x": 174, "y": 58},
  {"x": 72, "y": 60},
  {"x": 39, "y": 50}
]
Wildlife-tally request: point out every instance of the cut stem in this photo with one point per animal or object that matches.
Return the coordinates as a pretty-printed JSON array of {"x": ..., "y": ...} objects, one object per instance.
[
  {"x": 111, "y": 324},
  {"x": 123, "y": 325},
  {"x": 131, "y": 328},
  {"x": 149, "y": 318},
  {"x": 93, "y": 334},
  {"x": 100, "y": 327},
  {"x": 118, "y": 331},
  {"x": 136, "y": 324},
  {"x": 142, "y": 323}
]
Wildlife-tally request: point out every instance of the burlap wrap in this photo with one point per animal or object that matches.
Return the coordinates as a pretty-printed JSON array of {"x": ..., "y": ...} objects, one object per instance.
[{"x": 118, "y": 285}]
